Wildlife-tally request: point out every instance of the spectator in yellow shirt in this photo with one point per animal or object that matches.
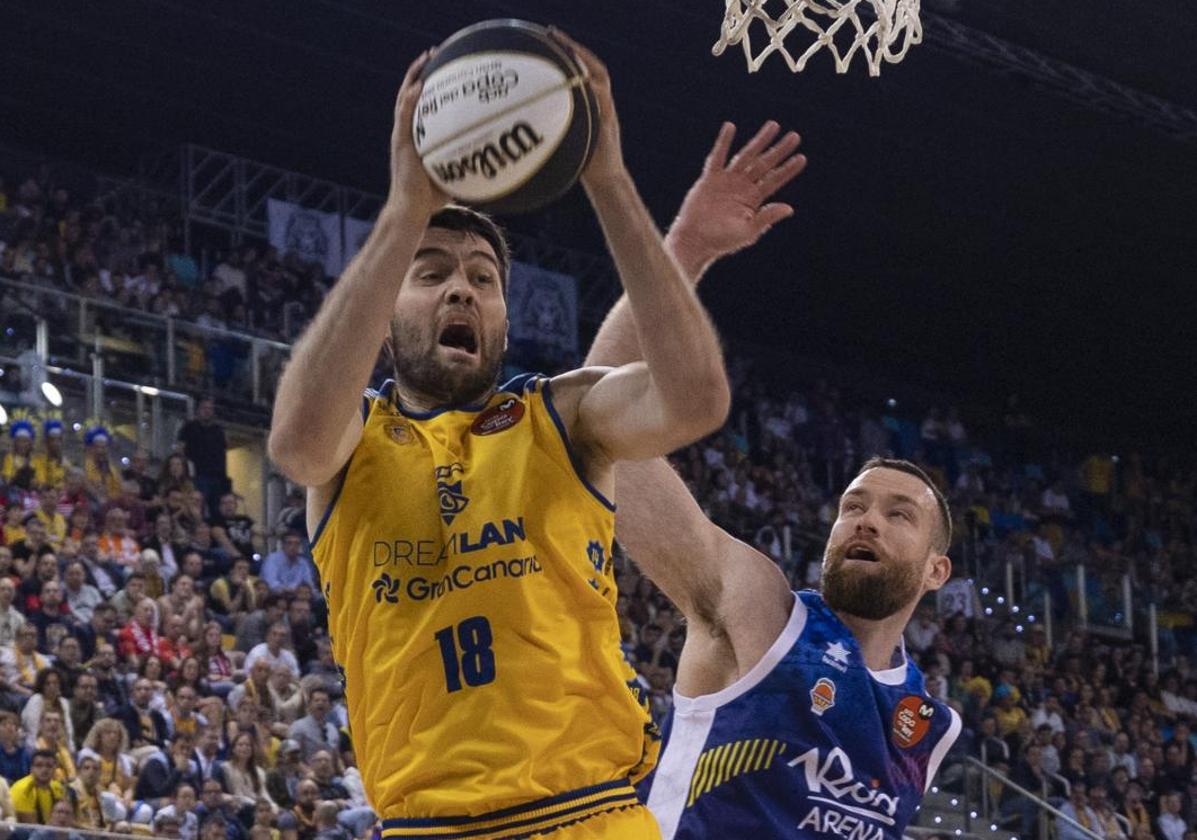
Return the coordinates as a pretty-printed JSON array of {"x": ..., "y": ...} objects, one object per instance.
[
  {"x": 47, "y": 512},
  {"x": 16, "y": 467},
  {"x": 49, "y": 465},
  {"x": 98, "y": 464},
  {"x": 14, "y": 530},
  {"x": 34, "y": 796},
  {"x": 1037, "y": 654},
  {"x": 1010, "y": 716},
  {"x": 971, "y": 683}
]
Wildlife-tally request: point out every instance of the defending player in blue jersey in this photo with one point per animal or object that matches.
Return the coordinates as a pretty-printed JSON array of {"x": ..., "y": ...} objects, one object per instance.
[{"x": 795, "y": 714}]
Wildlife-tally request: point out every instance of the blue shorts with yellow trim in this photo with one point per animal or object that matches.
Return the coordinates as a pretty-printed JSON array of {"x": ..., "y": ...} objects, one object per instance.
[{"x": 608, "y": 810}]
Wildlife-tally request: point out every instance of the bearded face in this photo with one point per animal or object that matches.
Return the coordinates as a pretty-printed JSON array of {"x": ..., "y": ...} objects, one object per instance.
[
  {"x": 873, "y": 593},
  {"x": 449, "y": 331},
  {"x": 452, "y": 366},
  {"x": 879, "y": 557}
]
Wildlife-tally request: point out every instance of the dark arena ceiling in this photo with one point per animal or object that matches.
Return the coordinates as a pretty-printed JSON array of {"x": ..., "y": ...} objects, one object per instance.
[{"x": 979, "y": 218}]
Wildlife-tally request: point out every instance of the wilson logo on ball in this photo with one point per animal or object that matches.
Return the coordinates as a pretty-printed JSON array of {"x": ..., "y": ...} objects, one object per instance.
[
  {"x": 488, "y": 159},
  {"x": 506, "y": 121}
]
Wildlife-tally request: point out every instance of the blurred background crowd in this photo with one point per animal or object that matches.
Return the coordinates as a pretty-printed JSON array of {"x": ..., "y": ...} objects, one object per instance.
[{"x": 163, "y": 660}]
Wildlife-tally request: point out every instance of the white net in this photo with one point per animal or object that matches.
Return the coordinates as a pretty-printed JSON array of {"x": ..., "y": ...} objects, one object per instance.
[{"x": 882, "y": 30}]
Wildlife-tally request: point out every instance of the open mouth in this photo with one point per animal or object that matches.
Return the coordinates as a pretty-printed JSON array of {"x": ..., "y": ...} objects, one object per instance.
[
  {"x": 459, "y": 337},
  {"x": 860, "y": 552}
]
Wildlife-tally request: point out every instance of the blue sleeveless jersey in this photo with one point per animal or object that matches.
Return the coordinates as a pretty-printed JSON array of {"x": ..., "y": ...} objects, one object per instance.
[{"x": 808, "y": 744}]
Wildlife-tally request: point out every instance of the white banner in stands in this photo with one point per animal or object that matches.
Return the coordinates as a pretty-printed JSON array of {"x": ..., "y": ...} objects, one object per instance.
[
  {"x": 542, "y": 307},
  {"x": 312, "y": 235}
]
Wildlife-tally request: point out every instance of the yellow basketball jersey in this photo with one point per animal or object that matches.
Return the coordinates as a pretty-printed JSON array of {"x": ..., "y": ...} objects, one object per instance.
[
  {"x": 467, "y": 567},
  {"x": 49, "y": 471},
  {"x": 12, "y": 464}
]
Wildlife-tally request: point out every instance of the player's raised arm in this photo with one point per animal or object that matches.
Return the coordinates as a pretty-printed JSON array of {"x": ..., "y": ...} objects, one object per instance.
[
  {"x": 726, "y": 210},
  {"x": 700, "y": 567},
  {"x": 680, "y": 393},
  {"x": 317, "y": 412}
]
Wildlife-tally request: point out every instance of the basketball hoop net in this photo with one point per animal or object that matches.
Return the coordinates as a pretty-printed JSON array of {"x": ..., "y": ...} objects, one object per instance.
[{"x": 894, "y": 28}]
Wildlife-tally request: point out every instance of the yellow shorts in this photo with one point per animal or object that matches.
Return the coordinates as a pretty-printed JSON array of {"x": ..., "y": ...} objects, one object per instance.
[
  {"x": 608, "y": 811},
  {"x": 635, "y": 823}
]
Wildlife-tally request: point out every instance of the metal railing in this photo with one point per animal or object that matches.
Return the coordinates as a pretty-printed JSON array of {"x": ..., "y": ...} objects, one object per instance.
[
  {"x": 154, "y": 349},
  {"x": 988, "y": 774},
  {"x": 1075, "y": 597},
  {"x": 32, "y": 830},
  {"x": 229, "y": 193},
  {"x": 152, "y": 413}
]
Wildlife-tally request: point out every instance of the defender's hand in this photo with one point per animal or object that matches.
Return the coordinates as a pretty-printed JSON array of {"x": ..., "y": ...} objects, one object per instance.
[
  {"x": 724, "y": 211},
  {"x": 411, "y": 188},
  {"x": 607, "y": 160}
]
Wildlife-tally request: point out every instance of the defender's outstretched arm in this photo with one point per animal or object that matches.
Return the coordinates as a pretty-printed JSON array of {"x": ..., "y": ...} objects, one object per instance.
[{"x": 704, "y": 570}]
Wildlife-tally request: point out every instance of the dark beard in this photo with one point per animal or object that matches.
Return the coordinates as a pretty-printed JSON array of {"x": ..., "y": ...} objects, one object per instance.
[
  {"x": 871, "y": 596},
  {"x": 422, "y": 373}
]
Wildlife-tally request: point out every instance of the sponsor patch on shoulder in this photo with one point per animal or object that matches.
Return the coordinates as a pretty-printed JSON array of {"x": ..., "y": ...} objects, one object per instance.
[
  {"x": 400, "y": 433},
  {"x": 822, "y": 696},
  {"x": 499, "y": 418},
  {"x": 912, "y": 720}
]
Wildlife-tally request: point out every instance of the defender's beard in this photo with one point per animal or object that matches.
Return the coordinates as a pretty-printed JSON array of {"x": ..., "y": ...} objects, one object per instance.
[
  {"x": 418, "y": 368},
  {"x": 871, "y": 594}
]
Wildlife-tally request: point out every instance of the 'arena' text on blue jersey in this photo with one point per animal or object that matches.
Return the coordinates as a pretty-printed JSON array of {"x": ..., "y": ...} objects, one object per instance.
[{"x": 808, "y": 744}]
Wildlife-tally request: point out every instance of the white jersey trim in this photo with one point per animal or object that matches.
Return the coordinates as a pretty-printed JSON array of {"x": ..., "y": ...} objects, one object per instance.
[
  {"x": 941, "y": 749},
  {"x": 671, "y": 784},
  {"x": 895, "y": 675},
  {"x": 776, "y": 652}
]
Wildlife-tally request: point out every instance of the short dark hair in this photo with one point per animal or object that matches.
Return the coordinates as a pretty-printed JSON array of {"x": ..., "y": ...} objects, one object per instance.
[
  {"x": 214, "y": 819},
  {"x": 910, "y": 468},
  {"x": 43, "y": 754},
  {"x": 457, "y": 218},
  {"x": 39, "y": 683}
]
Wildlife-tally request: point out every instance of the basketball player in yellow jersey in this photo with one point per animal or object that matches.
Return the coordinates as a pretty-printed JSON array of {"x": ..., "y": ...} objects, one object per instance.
[{"x": 463, "y": 531}]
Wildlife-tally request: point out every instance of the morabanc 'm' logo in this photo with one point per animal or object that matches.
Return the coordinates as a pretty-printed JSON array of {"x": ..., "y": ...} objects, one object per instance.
[
  {"x": 912, "y": 720},
  {"x": 453, "y": 500}
]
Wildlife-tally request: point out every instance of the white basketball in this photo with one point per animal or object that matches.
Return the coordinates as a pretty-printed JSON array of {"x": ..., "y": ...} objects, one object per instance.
[{"x": 505, "y": 121}]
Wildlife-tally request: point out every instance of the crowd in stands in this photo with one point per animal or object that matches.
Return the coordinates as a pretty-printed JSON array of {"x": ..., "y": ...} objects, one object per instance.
[
  {"x": 1086, "y": 721},
  {"x": 150, "y": 649},
  {"x": 103, "y": 251},
  {"x": 159, "y": 671}
]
